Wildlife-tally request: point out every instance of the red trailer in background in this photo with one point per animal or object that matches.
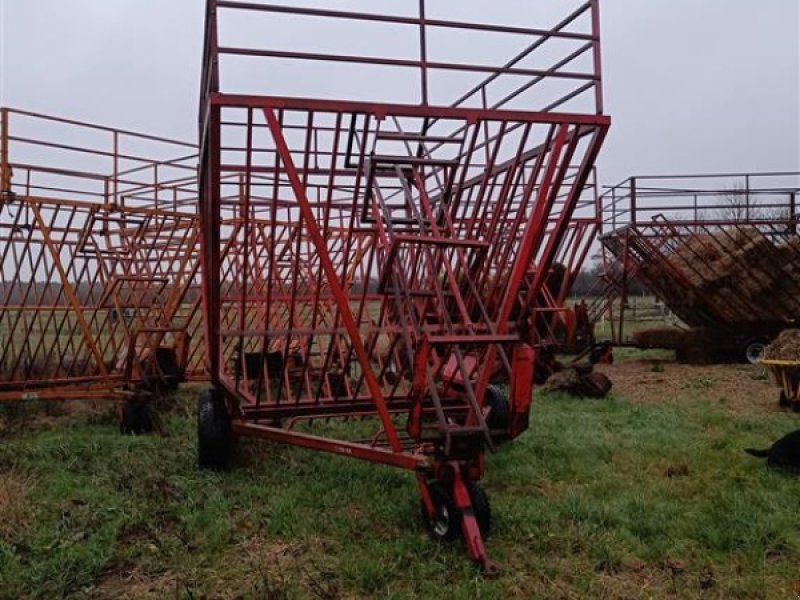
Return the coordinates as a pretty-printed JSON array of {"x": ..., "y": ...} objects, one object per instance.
[
  {"x": 384, "y": 243},
  {"x": 721, "y": 252},
  {"x": 562, "y": 326},
  {"x": 99, "y": 283}
]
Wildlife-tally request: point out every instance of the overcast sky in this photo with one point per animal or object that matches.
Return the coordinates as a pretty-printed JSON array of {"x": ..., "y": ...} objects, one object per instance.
[{"x": 691, "y": 85}]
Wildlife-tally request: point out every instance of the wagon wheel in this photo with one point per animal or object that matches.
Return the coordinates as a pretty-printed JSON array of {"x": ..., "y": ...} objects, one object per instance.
[
  {"x": 500, "y": 414},
  {"x": 754, "y": 351},
  {"x": 136, "y": 417},
  {"x": 446, "y": 523},
  {"x": 214, "y": 436},
  {"x": 480, "y": 506}
]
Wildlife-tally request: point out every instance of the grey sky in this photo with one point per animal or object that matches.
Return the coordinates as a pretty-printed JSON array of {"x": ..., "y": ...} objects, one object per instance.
[
  {"x": 701, "y": 85},
  {"x": 691, "y": 85}
]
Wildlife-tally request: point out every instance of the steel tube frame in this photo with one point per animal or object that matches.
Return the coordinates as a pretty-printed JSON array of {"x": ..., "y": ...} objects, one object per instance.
[
  {"x": 454, "y": 243},
  {"x": 71, "y": 257},
  {"x": 646, "y": 219}
]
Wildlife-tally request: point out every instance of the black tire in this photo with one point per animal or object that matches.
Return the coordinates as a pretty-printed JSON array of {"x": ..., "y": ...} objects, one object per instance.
[
  {"x": 754, "y": 351},
  {"x": 783, "y": 400},
  {"x": 480, "y": 507},
  {"x": 446, "y": 525},
  {"x": 500, "y": 414},
  {"x": 136, "y": 417},
  {"x": 599, "y": 352},
  {"x": 596, "y": 354},
  {"x": 214, "y": 437},
  {"x": 541, "y": 375}
]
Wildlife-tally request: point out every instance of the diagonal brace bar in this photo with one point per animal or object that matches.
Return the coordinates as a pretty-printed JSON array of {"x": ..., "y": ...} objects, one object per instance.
[{"x": 333, "y": 280}]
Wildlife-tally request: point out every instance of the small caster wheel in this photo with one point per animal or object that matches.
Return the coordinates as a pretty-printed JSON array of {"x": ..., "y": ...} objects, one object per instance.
[
  {"x": 480, "y": 507},
  {"x": 214, "y": 436},
  {"x": 594, "y": 385},
  {"x": 500, "y": 414},
  {"x": 445, "y": 526},
  {"x": 136, "y": 417}
]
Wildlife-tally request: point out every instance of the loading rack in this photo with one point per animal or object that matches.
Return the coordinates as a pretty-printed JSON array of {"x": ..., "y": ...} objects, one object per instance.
[
  {"x": 99, "y": 261},
  {"x": 720, "y": 251},
  {"x": 382, "y": 254}
]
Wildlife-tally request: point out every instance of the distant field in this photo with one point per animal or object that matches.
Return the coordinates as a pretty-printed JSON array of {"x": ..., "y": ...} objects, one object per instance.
[
  {"x": 647, "y": 494},
  {"x": 641, "y": 312}
]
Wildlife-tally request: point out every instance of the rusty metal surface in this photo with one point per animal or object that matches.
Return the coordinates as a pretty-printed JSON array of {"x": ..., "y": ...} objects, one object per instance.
[{"x": 98, "y": 256}]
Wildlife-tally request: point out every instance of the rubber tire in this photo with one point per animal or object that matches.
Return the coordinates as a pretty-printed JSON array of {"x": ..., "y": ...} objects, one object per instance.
[
  {"x": 783, "y": 401},
  {"x": 598, "y": 352},
  {"x": 450, "y": 529},
  {"x": 751, "y": 353},
  {"x": 500, "y": 414},
  {"x": 136, "y": 418},
  {"x": 480, "y": 506},
  {"x": 442, "y": 499},
  {"x": 214, "y": 436},
  {"x": 594, "y": 385},
  {"x": 541, "y": 374}
]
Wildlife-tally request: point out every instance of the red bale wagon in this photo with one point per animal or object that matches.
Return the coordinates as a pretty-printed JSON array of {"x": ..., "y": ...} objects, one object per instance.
[
  {"x": 720, "y": 251},
  {"x": 381, "y": 250},
  {"x": 99, "y": 284}
]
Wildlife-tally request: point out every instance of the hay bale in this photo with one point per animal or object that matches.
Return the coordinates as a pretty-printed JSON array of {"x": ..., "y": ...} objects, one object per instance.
[
  {"x": 694, "y": 257},
  {"x": 659, "y": 337},
  {"x": 744, "y": 274},
  {"x": 566, "y": 380},
  {"x": 696, "y": 355},
  {"x": 577, "y": 382},
  {"x": 594, "y": 385},
  {"x": 785, "y": 347},
  {"x": 704, "y": 336}
]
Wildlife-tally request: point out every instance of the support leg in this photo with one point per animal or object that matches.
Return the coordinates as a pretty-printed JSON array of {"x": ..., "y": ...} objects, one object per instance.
[{"x": 469, "y": 524}]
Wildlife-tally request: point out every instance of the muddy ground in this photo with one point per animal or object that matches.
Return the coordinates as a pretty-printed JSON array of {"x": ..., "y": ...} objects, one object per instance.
[{"x": 743, "y": 388}]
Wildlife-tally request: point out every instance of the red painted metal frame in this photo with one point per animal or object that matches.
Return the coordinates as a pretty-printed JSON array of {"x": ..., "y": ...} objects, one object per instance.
[
  {"x": 113, "y": 167},
  {"x": 98, "y": 261},
  {"x": 558, "y": 325},
  {"x": 650, "y": 222},
  {"x": 385, "y": 260}
]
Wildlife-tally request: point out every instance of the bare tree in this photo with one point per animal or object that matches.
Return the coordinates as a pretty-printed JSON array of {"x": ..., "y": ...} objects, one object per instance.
[
  {"x": 739, "y": 204},
  {"x": 735, "y": 205}
]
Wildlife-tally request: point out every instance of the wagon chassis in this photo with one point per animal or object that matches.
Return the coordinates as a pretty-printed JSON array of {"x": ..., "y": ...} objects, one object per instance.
[{"x": 382, "y": 260}]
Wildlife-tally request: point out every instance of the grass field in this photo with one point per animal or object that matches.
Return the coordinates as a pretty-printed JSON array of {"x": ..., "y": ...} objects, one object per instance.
[{"x": 600, "y": 499}]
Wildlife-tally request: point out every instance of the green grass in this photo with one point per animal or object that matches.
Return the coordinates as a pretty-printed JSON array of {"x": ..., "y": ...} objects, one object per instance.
[
  {"x": 598, "y": 499},
  {"x": 656, "y": 354}
]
